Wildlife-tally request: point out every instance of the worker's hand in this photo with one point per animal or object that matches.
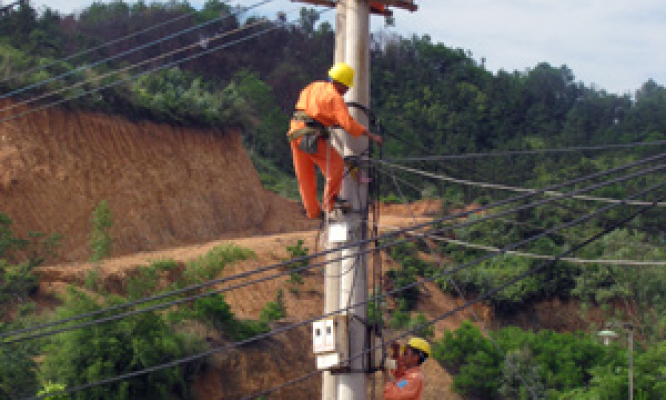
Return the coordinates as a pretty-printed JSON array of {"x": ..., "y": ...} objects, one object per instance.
[{"x": 375, "y": 138}]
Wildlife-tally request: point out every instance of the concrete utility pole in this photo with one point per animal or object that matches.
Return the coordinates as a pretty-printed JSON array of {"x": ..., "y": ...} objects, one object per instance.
[
  {"x": 346, "y": 281},
  {"x": 329, "y": 386},
  {"x": 353, "y": 285}
]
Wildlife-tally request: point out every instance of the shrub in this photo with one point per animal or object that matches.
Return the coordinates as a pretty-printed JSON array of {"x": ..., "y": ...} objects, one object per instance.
[
  {"x": 552, "y": 363},
  {"x": 297, "y": 251},
  {"x": 50, "y": 387},
  {"x": 274, "y": 310},
  {"x": 87, "y": 355},
  {"x": 17, "y": 367},
  {"x": 208, "y": 266},
  {"x": 216, "y": 312},
  {"x": 100, "y": 238},
  {"x": 18, "y": 258}
]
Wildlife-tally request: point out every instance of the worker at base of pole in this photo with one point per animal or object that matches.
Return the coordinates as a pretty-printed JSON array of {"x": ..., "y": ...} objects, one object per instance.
[
  {"x": 319, "y": 107},
  {"x": 408, "y": 382}
]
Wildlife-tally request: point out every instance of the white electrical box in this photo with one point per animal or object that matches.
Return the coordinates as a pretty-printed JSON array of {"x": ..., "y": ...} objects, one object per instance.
[
  {"x": 329, "y": 342},
  {"x": 338, "y": 232}
]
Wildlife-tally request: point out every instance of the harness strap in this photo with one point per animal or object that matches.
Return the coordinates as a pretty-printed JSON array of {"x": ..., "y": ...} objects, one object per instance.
[{"x": 312, "y": 126}]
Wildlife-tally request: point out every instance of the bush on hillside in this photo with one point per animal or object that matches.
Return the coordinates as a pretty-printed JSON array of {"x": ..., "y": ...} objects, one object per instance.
[
  {"x": 100, "y": 238},
  {"x": 18, "y": 378},
  {"x": 551, "y": 363},
  {"x": 216, "y": 312},
  {"x": 102, "y": 351}
]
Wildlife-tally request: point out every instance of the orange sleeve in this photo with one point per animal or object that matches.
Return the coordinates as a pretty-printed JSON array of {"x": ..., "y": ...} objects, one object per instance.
[
  {"x": 343, "y": 118},
  {"x": 323, "y": 103},
  {"x": 405, "y": 388}
]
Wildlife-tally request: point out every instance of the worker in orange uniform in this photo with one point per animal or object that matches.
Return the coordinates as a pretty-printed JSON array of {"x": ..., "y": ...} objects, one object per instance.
[
  {"x": 407, "y": 382},
  {"x": 319, "y": 107}
]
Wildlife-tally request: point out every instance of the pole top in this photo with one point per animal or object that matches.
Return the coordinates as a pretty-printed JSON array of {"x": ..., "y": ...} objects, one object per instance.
[{"x": 404, "y": 4}]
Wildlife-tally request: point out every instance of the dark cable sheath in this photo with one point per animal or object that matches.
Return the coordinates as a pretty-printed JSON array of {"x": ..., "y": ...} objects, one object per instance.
[
  {"x": 528, "y": 152},
  {"x": 176, "y": 62},
  {"x": 304, "y": 258},
  {"x": 124, "y": 53},
  {"x": 473, "y": 301},
  {"x": 99, "y": 47},
  {"x": 425, "y": 280}
]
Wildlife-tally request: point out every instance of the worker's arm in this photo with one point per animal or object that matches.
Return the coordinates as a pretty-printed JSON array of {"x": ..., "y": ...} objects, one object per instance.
[
  {"x": 405, "y": 388},
  {"x": 348, "y": 123}
]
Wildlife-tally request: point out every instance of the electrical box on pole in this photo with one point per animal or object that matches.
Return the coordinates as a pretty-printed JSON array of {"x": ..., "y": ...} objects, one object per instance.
[
  {"x": 329, "y": 343},
  {"x": 342, "y": 344}
]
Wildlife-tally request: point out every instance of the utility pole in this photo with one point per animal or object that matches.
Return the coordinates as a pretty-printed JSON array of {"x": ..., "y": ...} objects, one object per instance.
[
  {"x": 345, "y": 282},
  {"x": 353, "y": 284},
  {"x": 329, "y": 385}
]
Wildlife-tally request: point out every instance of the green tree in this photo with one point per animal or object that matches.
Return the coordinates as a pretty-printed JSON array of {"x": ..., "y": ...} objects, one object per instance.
[
  {"x": 86, "y": 355},
  {"x": 100, "y": 237}
]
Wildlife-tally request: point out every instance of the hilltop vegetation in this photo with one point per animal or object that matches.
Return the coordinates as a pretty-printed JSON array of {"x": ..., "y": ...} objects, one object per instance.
[{"x": 431, "y": 99}]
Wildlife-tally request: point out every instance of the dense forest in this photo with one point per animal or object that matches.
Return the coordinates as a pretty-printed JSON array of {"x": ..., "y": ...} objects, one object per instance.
[{"x": 431, "y": 100}]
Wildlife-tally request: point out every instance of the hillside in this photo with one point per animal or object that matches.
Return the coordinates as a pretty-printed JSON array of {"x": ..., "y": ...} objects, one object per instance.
[
  {"x": 165, "y": 186},
  {"x": 268, "y": 362},
  {"x": 174, "y": 193}
]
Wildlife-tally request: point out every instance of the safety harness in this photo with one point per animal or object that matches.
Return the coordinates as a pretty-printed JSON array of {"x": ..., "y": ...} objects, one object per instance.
[{"x": 311, "y": 132}]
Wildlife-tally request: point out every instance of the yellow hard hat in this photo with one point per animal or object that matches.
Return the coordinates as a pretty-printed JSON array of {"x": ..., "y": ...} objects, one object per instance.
[
  {"x": 420, "y": 344},
  {"x": 342, "y": 73}
]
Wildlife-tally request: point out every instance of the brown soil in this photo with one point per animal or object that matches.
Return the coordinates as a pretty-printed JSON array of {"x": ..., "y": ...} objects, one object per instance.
[
  {"x": 175, "y": 193},
  {"x": 165, "y": 186}
]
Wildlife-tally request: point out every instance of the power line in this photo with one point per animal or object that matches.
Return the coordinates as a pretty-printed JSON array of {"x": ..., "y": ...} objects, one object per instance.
[
  {"x": 462, "y": 295},
  {"x": 628, "y": 263},
  {"x": 176, "y": 62},
  {"x": 127, "y": 52},
  {"x": 230, "y": 346},
  {"x": 470, "y": 303},
  {"x": 505, "y": 187},
  {"x": 362, "y": 242},
  {"x": 22, "y": 114},
  {"x": 99, "y": 47},
  {"x": 532, "y": 226},
  {"x": 528, "y": 152},
  {"x": 132, "y": 66}
]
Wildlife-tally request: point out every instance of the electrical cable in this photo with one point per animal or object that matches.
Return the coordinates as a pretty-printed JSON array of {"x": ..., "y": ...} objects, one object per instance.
[
  {"x": 510, "y": 221},
  {"x": 127, "y": 52},
  {"x": 463, "y": 296},
  {"x": 99, "y": 47},
  {"x": 470, "y": 303},
  {"x": 272, "y": 277},
  {"x": 131, "y": 66},
  {"x": 570, "y": 237},
  {"x": 308, "y": 257},
  {"x": 528, "y": 152},
  {"x": 176, "y": 62},
  {"x": 573, "y": 260},
  {"x": 505, "y": 187},
  {"x": 207, "y": 353}
]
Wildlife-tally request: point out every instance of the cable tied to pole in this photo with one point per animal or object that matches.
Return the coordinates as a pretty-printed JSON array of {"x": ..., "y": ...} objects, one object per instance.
[{"x": 374, "y": 322}]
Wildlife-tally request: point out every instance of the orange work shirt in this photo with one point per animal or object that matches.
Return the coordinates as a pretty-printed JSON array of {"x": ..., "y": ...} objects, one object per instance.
[
  {"x": 322, "y": 102},
  {"x": 407, "y": 386}
]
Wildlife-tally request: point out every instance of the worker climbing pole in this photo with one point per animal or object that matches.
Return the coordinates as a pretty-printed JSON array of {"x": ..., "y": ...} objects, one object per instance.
[{"x": 319, "y": 108}]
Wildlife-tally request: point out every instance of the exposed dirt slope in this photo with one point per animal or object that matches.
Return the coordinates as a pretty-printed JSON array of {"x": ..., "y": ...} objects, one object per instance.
[
  {"x": 166, "y": 186},
  {"x": 288, "y": 356}
]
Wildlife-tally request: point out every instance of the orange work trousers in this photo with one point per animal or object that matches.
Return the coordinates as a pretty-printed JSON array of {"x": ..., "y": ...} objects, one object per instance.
[{"x": 304, "y": 164}]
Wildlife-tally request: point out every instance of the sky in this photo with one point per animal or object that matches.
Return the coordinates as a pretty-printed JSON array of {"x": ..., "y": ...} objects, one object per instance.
[{"x": 614, "y": 45}]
